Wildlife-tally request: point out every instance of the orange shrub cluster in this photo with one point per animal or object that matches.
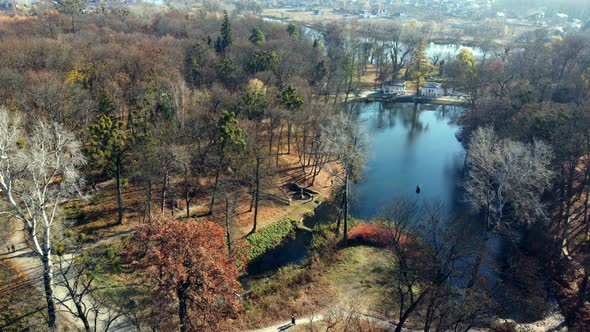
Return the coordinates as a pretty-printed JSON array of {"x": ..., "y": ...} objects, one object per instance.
[{"x": 373, "y": 234}]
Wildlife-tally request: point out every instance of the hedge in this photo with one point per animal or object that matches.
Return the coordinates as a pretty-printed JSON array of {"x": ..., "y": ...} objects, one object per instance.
[{"x": 269, "y": 237}]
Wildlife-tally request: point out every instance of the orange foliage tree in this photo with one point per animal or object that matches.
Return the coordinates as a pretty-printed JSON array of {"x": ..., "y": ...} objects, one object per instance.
[{"x": 186, "y": 264}]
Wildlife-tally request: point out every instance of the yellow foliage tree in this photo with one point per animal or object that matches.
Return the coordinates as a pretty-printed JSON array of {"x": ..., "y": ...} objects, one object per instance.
[{"x": 76, "y": 76}]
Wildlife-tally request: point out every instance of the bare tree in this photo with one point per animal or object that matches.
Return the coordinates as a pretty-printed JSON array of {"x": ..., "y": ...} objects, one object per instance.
[
  {"x": 38, "y": 169},
  {"x": 347, "y": 139},
  {"x": 505, "y": 179},
  {"x": 401, "y": 48},
  {"x": 429, "y": 248},
  {"x": 503, "y": 173},
  {"x": 77, "y": 269}
]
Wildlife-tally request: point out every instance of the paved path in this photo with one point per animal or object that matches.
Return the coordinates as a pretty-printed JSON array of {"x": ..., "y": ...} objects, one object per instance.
[
  {"x": 287, "y": 325},
  {"x": 26, "y": 261}
]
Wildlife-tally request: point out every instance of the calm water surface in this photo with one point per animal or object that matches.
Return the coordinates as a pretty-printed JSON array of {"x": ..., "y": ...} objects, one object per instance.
[{"x": 410, "y": 145}]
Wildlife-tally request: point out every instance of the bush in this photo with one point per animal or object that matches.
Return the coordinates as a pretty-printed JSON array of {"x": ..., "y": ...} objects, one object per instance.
[
  {"x": 371, "y": 234},
  {"x": 324, "y": 242},
  {"x": 269, "y": 237},
  {"x": 309, "y": 214}
]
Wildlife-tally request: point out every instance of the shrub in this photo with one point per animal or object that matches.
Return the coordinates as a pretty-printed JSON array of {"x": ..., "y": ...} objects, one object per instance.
[
  {"x": 371, "y": 234},
  {"x": 269, "y": 237},
  {"x": 324, "y": 242}
]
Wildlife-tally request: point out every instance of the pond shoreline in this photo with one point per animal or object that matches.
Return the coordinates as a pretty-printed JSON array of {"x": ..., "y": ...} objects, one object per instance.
[{"x": 370, "y": 96}]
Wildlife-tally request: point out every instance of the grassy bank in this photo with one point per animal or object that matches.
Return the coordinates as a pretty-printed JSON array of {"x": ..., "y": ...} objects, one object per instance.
[{"x": 269, "y": 237}]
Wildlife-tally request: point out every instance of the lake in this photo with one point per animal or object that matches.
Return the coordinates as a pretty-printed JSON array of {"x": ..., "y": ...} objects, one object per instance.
[{"x": 410, "y": 145}]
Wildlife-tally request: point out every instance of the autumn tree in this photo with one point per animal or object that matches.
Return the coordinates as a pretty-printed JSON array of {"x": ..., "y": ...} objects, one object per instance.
[
  {"x": 185, "y": 264},
  {"x": 254, "y": 100},
  {"x": 469, "y": 75},
  {"x": 39, "y": 166},
  {"x": 105, "y": 147},
  {"x": 420, "y": 67}
]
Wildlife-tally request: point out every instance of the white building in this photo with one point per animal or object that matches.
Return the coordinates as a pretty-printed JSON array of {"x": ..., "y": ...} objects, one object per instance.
[
  {"x": 394, "y": 88},
  {"x": 432, "y": 89}
]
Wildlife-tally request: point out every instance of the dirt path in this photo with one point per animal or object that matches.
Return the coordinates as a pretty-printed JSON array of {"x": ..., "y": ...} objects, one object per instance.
[
  {"x": 27, "y": 262},
  {"x": 285, "y": 326}
]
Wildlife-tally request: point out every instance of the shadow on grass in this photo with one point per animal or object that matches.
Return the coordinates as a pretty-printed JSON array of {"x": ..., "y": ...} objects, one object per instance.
[{"x": 324, "y": 214}]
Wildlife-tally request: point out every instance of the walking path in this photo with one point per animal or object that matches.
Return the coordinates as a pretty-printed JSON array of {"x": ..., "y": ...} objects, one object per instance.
[
  {"x": 320, "y": 317},
  {"x": 26, "y": 261}
]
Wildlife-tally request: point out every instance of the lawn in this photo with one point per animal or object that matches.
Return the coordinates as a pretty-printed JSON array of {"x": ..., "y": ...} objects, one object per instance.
[{"x": 361, "y": 275}]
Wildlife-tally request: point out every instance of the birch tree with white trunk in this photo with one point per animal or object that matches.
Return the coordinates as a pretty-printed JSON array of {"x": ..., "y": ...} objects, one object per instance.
[{"x": 39, "y": 165}]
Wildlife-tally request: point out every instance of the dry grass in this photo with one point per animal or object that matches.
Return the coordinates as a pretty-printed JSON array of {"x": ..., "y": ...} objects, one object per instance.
[
  {"x": 97, "y": 216},
  {"x": 359, "y": 273}
]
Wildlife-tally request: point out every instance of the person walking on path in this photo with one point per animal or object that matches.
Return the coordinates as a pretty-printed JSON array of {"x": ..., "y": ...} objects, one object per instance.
[
  {"x": 293, "y": 319},
  {"x": 12, "y": 247},
  {"x": 8, "y": 248}
]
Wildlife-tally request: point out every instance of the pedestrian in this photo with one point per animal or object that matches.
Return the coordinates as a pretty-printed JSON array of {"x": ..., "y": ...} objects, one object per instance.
[
  {"x": 8, "y": 248},
  {"x": 293, "y": 319},
  {"x": 12, "y": 246}
]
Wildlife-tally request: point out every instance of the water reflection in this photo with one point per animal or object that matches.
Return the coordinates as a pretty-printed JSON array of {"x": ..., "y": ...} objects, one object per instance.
[{"x": 412, "y": 144}]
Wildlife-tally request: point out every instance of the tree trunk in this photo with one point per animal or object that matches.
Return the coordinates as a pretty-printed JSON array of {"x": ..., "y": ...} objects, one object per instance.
[
  {"x": 119, "y": 194},
  {"x": 81, "y": 313},
  {"x": 227, "y": 219},
  {"x": 346, "y": 185},
  {"x": 149, "y": 201},
  {"x": 586, "y": 220},
  {"x": 280, "y": 143},
  {"x": 289, "y": 137},
  {"x": 253, "y": 196},
  {"x": 48, "y": 285},
  {"x": 340, "y": 214},
  {"x": 408, "y": 312},
  {"x": 271, "y": 134},
  {"x": 187, "y": 199},
  {"x": 217, "y": 173},
  {"x": 256, "y": 193},
  {"x": 182, "y": 307},
  {"x": 163, "y": 193},
  {"x": 314, "y": 171}
]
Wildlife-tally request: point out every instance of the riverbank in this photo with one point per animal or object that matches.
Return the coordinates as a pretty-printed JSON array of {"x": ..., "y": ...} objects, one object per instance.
[{"x": 377, "y": 96}]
